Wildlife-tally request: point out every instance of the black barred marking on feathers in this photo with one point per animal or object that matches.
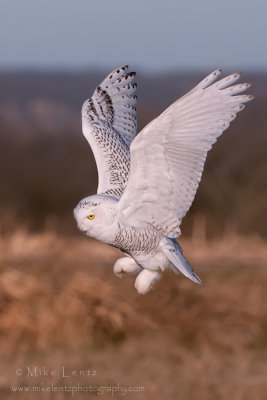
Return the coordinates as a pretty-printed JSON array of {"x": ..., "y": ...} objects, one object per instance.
[
  {"x": 116, "y": 155},
  {"x": 87, "y": 203},
  {"x": 134, "y": 240}
]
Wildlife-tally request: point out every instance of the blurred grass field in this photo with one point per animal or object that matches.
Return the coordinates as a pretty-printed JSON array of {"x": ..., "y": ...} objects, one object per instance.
[{"x": 61, "y": 305}]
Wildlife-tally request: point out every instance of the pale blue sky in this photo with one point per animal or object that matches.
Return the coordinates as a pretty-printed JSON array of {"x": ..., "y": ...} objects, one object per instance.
[{"x": 155, "y": 34}]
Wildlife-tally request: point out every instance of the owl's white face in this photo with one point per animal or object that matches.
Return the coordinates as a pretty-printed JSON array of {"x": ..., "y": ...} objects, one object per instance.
[
  {"x": 95, "y": 215},
  {"x": 87, "y": 215}
]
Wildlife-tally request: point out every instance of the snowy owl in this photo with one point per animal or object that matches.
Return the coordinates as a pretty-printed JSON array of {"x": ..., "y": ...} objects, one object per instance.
[{"x": 147, "y": 182}]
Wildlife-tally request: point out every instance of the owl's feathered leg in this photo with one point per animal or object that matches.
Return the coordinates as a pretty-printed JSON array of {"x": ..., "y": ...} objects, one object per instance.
[
  {"x": 145, "y": 280},
  {"x": 126, "y": 265}
]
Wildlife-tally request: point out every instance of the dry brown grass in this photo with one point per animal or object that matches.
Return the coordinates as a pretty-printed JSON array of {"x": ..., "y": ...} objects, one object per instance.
[{"x": 61, "y": 305}]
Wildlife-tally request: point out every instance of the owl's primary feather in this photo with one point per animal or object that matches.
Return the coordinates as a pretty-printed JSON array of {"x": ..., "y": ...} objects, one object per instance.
[
  {"x": 109, "y": 125},
  {"x": 148, "y": 182}
]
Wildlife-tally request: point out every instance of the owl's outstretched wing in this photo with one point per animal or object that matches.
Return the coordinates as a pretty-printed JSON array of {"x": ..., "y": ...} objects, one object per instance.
[
  {"x": 168, "y": 155},
  {"x": 109, "y": 125}
]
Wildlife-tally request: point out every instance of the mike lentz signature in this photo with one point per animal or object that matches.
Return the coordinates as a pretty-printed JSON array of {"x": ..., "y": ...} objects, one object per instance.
[{"x": 62, "y": 372}]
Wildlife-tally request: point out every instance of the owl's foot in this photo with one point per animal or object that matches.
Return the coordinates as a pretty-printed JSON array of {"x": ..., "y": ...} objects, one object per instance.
[
  {"x": 145, "y": 280},
  {"x": 126, "y": 265}
]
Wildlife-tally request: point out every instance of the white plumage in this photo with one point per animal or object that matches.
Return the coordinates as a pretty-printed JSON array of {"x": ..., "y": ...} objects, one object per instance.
[{"x": 147, "y": 183}]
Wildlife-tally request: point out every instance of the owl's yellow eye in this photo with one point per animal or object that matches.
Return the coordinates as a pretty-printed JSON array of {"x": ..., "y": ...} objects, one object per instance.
[{"x": 91, "y": 217}]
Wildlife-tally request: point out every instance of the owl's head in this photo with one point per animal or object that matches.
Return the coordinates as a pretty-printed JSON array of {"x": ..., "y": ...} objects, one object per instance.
[{"x": 95, "y": 214}]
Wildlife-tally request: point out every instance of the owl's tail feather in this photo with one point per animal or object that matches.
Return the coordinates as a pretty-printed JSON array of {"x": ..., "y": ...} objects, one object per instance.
[{"x": 179, "y": 263}]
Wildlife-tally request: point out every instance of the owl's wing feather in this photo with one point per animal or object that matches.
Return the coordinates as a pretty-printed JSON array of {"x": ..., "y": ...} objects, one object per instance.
[
  {"x": 168, "y": 155},
  {"x": 109, "y": 125}
]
